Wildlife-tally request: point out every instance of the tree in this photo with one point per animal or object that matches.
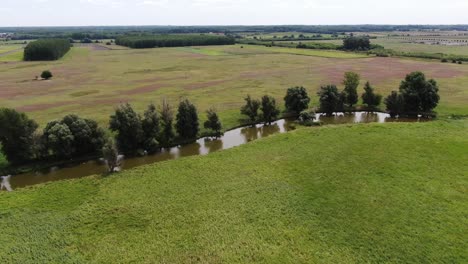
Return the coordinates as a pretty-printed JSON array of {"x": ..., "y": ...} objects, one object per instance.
[
  {"x": 371, "y": 99},
  {"x": 330, "y": 99},
  {"x": 111, "y": 155},
  {"x": 46, "y": 75},
  {"x": 356, "y": 43},
  {"x": 88, "y": 136},
  {"x": 250, "y": 108},
  {"x": 167, "y": 117},
  {"x": 270, "y": 111},
  {"x": 17, "y": 136},
  {"x": 59, "y": 139},
  {"x": 419, "y": 95},
  {"x": 150, "y": 125},
  {"x": 394, "y": 104},
  {"x": 213, "y": 123},
  {"x": 296, "y": 99},
  {"x": 127, "y": 123},
  {"x": 351, "y": 83},
  {"x": 187, "y": 124}
]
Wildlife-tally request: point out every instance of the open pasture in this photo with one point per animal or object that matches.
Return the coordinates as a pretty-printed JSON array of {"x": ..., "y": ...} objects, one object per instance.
[{"x": 91, "y": 81}]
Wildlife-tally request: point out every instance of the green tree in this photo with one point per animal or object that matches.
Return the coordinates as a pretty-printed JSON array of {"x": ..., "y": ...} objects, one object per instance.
[
  {"x": 270, "y": 111},
  {"x": 296, "y": 99},
  {"x": 46, "y": 75},
  {"x": 111, "y": 155},
  {"x": 351, "y": 83},
  {"x": 394, "y": 104},
  {"x": 59, "y": 139},
  {"x": 187, "y": 124},
  {"x": 330, "y": 99},
  {"x": 167, "y": 118},
  {"x": 213, "y": 123},
  {"x": 251, "y": 108},
  {"x": 150, "y": 125},
  {"x": 127, "y": 123},
  {"x": 88, "y": 136},
  {"x": 17, "y": 136},
  {"x": 371, "y": 99},
  {"x": 419, "y": 95}
]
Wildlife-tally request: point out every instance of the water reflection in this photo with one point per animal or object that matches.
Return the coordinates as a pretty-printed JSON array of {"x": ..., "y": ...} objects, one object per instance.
[{"x": 202, "y": 146}]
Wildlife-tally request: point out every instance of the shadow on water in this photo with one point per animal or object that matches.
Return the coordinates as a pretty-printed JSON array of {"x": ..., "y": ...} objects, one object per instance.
[{"x": 202, "y": 146}]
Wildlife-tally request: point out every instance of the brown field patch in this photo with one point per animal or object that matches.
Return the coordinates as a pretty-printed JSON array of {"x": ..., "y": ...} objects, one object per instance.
[
  {"x": 39, "y": 107},
  {"x": 380, "y": 69},
  {"x": 204, "y": 84},
  {"x": 144, "y": 89}
]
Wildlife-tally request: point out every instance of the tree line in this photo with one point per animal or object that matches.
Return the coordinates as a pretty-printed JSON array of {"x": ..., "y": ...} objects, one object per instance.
[
  {"x": 153, "y": 41},
  {"x": 46, "y": 49},
  {"x": 138, "y": 134}
]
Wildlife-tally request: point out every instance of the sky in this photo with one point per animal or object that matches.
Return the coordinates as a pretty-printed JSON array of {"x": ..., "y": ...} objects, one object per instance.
[{"x": 230, "y": 12}]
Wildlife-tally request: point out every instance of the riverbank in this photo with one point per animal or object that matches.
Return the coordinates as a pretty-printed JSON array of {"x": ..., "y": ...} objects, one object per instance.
[{"x": 346, "y": 193}]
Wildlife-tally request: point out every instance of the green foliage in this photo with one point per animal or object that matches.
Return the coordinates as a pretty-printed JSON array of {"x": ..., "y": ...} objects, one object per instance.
[
  {"x": 46, "y": 75},
  {"x": 351, "y": 83},
  {"x": 151, "y": 130},
  {"x": 187, "y": 125},
  {"x": 251, "y": 108},
  {"x": 296, "y": 99},
  {"x": 356, "y": 43},
  {"x": 167, "y": 118},
  {"x": 330, "y": 99},
  {"x": 419, "y": 95},
  {"x": 46, "y": 49},
  {"x": 394, "y": 104},
  {"x": 370, "y": 98},
  {"x": 213, "y": 123},
  {"x": 88, "y": 136},
  {"x": 270, "y": 111},
  {"x": 110, "y": 155},
  {"x": 17, "y": 136},
  {"x": 306, "y": 118},
  {"x": 127, "y": 123},
  {"x": 142, "y": 42},
  {"x": 59, "y": 139}
]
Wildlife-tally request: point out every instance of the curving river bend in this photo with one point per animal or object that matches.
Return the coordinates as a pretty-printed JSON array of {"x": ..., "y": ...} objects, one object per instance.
[{"x": 202, "y": 146}]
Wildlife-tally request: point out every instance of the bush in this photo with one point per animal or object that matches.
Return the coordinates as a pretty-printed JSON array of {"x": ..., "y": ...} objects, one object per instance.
[
  {"x": 394, "y": 104},
  {"x": 444, "y": 60},
  {"x": 46, "y": 75},
  {"x": 142, "y": 42},
  {"x": 296, "y": 99},
  {"x": 46, "y": 49},
  {"x": 369, "y": 98},
  {"x": 127, "y": 123},
  {"x": 213, "y": 123}
]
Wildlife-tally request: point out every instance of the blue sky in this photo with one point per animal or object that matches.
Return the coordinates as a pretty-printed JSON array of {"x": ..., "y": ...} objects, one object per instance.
[{"x": 228, "y": 12}]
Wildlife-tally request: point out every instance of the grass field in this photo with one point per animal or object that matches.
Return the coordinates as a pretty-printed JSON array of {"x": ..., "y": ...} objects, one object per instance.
[
  {"x": 388, "y": 193},
  {"x": 92, "y": 81}
]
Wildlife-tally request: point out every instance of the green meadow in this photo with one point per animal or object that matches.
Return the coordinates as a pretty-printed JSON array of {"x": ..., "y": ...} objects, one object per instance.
[{"x": 377, "y": 193}]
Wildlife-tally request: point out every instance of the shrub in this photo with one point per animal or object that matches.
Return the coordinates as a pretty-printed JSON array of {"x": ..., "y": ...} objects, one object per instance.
[
  {"x": 46, "y": 49},
  {"x": 394, "y": 104},
  {"x": 46, "y": 75},
  {"x": 369, "y": 98},
  {"x": 296, "y": 99},
  {"x": 111, "y": 156},
  {"x": 444, "y": 60}
]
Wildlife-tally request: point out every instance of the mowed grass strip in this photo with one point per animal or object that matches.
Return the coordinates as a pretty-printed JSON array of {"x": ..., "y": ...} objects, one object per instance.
[{"x": 337, "y": 194}]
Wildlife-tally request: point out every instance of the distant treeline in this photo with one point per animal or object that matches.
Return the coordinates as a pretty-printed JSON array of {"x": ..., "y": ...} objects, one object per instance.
[
  {"x": 142, "y": 42},
  {"x": 110, "y": 32},
  {"x": 46, "y": 49}
]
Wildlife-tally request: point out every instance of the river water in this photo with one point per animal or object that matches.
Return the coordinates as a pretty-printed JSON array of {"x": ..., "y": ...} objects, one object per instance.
[{"x": 202, "y": 146}]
